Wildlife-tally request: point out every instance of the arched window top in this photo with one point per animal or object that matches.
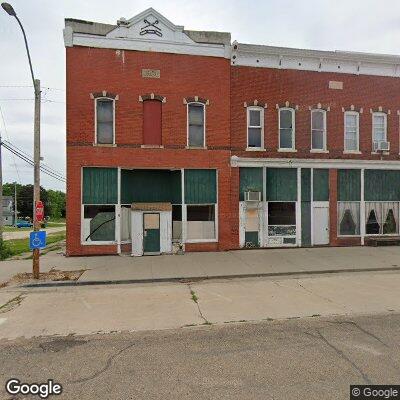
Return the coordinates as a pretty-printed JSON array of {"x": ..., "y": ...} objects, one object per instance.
[
  {"x": 152, "y": 96},
  {"x": 196, "y": 99}
]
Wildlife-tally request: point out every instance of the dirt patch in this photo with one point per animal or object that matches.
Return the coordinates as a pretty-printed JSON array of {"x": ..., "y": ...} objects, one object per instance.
[{"x": 53, "y": 275}]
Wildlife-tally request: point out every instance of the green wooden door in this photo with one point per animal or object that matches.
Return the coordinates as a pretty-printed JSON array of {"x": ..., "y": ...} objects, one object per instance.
[{"x": 151, "y": 233}]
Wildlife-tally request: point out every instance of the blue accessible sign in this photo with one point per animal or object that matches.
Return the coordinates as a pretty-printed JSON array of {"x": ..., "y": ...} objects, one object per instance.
[{"x": 37, "y": 240}]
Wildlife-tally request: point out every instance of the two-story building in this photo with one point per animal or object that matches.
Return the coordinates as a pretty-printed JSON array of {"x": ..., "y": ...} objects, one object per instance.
[{"x": 181, "y": 140}]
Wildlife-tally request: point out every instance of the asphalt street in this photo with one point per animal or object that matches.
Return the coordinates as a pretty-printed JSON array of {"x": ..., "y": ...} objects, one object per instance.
[{"x": 308, "y": 358}]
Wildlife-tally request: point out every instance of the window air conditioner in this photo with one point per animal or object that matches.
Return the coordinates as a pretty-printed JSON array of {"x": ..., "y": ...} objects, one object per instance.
[
  {"x": 381, "y": 146},
  {"x": 252, "y": 196}
]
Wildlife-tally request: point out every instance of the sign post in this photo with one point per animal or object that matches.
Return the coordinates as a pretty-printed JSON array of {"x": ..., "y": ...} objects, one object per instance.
[{"x": 38, "y": 215}]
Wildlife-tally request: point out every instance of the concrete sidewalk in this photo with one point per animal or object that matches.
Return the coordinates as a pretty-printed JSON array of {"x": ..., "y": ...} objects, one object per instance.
[
  {"x": 153, "y": 306},
  {"x": 244, "y": 263}
]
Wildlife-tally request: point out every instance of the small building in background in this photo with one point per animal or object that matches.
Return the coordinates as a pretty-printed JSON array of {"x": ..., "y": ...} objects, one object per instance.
[{"x": 8, "y": 210}]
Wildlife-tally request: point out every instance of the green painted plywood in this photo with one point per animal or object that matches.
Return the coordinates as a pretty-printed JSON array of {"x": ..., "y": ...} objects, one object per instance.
[
  {"x": 349, "y": 185},
  {"x": 100, "y": 185},
  {"x": 381, "y": 185},
  {"x": 200, "y": 186},
  {"x": 281, "y": 184},
  {"x": 251, "y": 179},
  {"x": 321, "y": 185},
  {"x": 305, "y": 184},
  {"x": 306, "y": 223},
  {"x": 150, "y": 186}
]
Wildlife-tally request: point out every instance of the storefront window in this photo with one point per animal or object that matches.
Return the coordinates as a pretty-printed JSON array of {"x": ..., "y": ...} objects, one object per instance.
[
  {"x": 281, "y": 219},
  {"x": 99, "y": 223},
  {"x": 200, "y": 222},
  {"x": 349, "y": 218},
  {"x": 125, "y": 223},
  {"x": 381, "y": 217},
  {"x": 176, "y": 222}
]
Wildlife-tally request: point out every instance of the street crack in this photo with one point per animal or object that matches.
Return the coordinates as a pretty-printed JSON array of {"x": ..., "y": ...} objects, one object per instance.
[{"x": 195, "y": 298}]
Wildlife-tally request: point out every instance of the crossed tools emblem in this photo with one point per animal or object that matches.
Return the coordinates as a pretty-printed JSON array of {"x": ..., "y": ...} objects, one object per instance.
[{"x": 151, "y": 28}]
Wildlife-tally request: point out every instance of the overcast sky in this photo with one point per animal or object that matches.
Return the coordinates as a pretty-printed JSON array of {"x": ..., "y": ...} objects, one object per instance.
[{"x": 358, "y": 25}]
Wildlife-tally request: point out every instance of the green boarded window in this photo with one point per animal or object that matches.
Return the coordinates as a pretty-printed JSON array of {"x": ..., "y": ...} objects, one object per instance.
[
  {"x": 305, "y": 184},
  {"x": 150, "y": 186},
  {"x": 281, "y": 184},
  {"x": 100, "y": 185},
  {"x": 321, "y": 185},
  {"x": 306, "y": 223},
  {"x": 200, "y": 186},
  {"x": 349, "y": 185},
  {"x": 251, "y": 179},
  {"x": 381, "y": 185}
]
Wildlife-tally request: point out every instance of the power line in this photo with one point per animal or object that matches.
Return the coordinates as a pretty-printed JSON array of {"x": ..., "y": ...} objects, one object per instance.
[{"x": 28, "y": 160}]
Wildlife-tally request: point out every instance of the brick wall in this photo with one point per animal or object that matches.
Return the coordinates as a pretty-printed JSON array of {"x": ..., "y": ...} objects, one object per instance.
[
  {"x": 307, "y": 88},
  {"x": 119, "y": 72}
]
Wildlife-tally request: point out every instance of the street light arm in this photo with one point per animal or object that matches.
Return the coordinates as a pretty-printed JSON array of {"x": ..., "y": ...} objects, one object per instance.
[{"x": 27, "y": 51}]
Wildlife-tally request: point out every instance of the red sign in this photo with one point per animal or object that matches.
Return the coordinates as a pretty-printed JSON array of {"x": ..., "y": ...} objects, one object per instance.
[{"x": 39, "y": 211}]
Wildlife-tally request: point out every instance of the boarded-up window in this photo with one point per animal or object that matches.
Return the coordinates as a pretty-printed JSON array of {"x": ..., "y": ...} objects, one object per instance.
[
  {"x": 105, "y": 121},
  {"x": 152, "y": 122},
  {"x": 200, "y": 186},
  {"x": 100, "y": 185}
]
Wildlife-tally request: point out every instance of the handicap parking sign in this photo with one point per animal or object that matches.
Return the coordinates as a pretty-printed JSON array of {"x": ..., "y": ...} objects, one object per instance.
[{"x": 37, "y": 240}]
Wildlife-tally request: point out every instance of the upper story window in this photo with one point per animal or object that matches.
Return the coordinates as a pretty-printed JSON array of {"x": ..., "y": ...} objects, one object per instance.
[
  {"x": 105, "y": 120},
  {"x": 286, "y": 129},
  {"x": 255, "y": 128},
  {"x": 152, "y": 122},
  {"x": 379, "y": 127},
  {"x": 318, "y": 130},
  {"x": 351, "y": 131},
  {"x": 196, "y": 125}
]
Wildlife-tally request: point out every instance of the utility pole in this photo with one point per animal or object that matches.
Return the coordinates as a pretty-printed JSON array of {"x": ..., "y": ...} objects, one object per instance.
[
  {"x": 36, "y": 187},
  {"x": 8, "y": 8},
  {"x": 15, "y": 205}
]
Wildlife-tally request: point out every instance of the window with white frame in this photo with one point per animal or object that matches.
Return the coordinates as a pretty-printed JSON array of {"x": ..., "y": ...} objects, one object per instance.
[
  {"x": 200, "y": 223},
  {"x": 286, "y": 129},
  {"x": 381, "y": 217},
  {"x": 379, "y": 127},
  {"x": 196, "y": 125},
  {"x": 318, "y": 130},
  {"x": 349, "y": 218},
  {"x": 255, "y": 128},
  {"x": 351, "y": 131},
  {"x": 105, "y": 124},
  {"x": 99, "y": 223}
]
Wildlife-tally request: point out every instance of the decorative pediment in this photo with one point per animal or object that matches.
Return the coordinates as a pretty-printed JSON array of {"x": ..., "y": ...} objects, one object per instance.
[{"x": 149, "y": 25}]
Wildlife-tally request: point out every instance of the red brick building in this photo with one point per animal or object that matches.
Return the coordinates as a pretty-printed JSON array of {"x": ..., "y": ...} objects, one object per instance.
[{"x": 180, "y": 140}]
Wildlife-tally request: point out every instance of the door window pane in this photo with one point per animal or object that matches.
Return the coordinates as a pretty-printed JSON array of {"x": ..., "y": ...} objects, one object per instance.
[
  {"x": 196, "y": 125},
  {"x": 105, "y": 121}
]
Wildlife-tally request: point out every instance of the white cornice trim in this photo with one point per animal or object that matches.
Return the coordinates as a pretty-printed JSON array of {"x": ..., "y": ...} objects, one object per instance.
[
  {"x": 313, "y": 163},
  {"x": 200, "y": 49},
  {"x": 315, "y": 60}
]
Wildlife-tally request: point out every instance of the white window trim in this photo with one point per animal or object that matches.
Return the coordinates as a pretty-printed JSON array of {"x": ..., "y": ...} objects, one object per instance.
[
  {"x": 95, "y": 121},
  {"x": 293, "y": 148},
  {"x": 261, "y": 109},
  {"x": 379, "y": 114},
  {"x": 324, "y": 147},
  {"x": 204, "y": 126},
  {"x": 357, "y": 115}
]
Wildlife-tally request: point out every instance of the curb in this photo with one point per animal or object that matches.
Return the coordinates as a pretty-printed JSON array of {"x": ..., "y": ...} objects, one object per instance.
[{"x": 203, "y": 278}]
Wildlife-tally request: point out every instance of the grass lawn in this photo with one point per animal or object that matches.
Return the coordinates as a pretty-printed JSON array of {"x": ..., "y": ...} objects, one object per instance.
[{"x": 19, "y": 246}]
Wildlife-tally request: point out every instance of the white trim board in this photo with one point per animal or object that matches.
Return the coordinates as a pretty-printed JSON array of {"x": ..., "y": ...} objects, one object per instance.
[
  {"x": 313, "y": 163},
  {"x": 199, "y": 49},
  {"x": 314, "y": 60}
]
